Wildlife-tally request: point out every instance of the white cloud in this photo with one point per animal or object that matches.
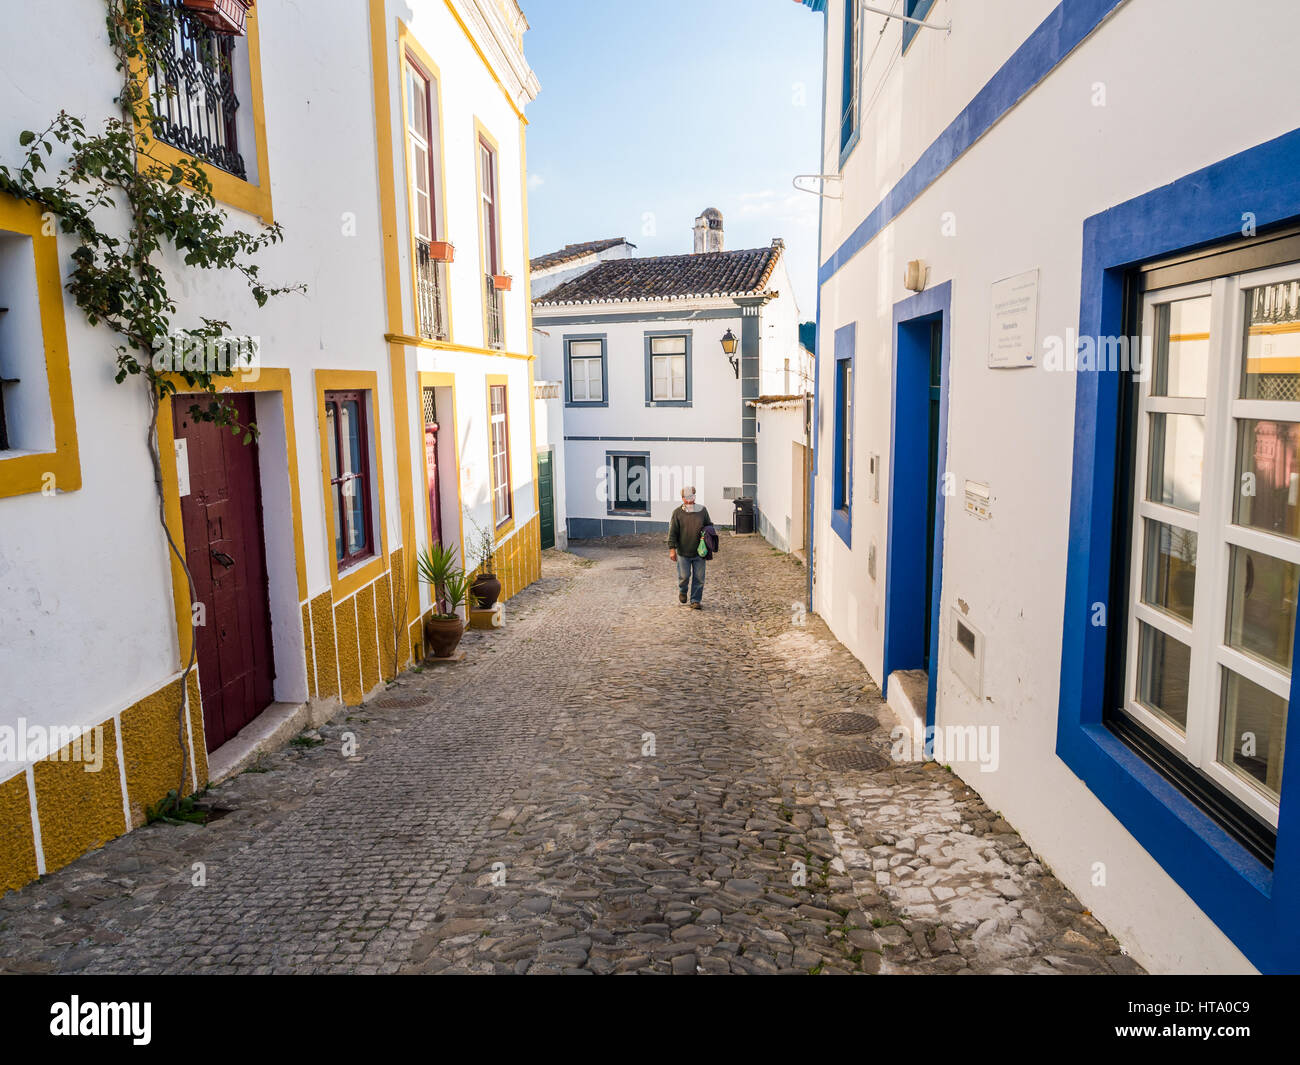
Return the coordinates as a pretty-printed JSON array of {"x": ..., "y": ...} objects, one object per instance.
[{"x": 536, "y": 181}]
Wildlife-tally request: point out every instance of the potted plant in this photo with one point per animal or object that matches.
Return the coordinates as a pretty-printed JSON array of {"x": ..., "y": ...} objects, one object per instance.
[
  {"x": 443, "y": 628},
  {"x": 486, "y": 589},
  {"x": 502, "y": 282},
  {"x": 224, "y": 16}
]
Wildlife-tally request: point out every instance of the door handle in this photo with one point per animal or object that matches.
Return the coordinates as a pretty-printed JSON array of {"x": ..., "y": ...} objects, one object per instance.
[{"x": 223, "y": 558}]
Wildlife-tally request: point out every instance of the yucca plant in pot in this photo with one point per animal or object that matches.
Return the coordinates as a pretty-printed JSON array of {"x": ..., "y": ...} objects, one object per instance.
[
  {"x": 443, "y": 628},
  {"x": 486, "y": 589}
]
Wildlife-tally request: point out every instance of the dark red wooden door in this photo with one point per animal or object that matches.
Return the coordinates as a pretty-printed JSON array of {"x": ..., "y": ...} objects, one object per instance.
[
  {"x": 222, "y": 518},
  {"x": 431, "y": 465}
]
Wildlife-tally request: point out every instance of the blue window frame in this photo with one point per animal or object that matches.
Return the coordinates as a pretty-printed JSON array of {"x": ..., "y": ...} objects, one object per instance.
[
  {"x": 668, "y": 368},
  {"x": 1253, "y": 905},
  {"x": 851, "y": 82},
  {"x": 628, "y": 489},
  {"x": 914, "y": 9},
  {"x": 581, "y": 388},
  {"x": 842, "y": 479}
]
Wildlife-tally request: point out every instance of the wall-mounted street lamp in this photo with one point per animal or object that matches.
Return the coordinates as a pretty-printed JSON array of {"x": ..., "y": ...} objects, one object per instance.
[{"x": 729, "y": 343}]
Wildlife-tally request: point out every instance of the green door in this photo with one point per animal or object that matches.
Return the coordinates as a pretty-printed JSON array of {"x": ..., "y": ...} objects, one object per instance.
[{"x": 546, "y": 498}]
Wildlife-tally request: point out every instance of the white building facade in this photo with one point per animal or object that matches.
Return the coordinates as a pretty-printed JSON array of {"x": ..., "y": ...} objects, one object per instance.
[
  {"x": 1083, "y": 541},
  {"x": 653, "y": 399},
  {"x": 394, "y": 402}
]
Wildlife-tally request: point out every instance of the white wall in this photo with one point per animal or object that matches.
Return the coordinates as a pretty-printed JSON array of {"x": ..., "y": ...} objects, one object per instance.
[
  {"x": 1018, "y": 199},
  {"x": 778, "y": 429}
]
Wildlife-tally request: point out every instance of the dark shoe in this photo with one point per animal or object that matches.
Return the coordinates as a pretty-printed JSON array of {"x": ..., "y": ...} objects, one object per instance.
[
  {"x": 681, "y": 597},
  {"x": 695, "y": 606}
]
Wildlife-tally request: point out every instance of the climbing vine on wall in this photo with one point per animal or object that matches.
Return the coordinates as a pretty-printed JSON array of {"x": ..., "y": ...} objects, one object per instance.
[{"x": 138, "y": 223}]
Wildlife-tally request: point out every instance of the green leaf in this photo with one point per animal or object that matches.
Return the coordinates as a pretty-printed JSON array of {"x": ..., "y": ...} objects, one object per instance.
[{"x": 26, "y": 137}]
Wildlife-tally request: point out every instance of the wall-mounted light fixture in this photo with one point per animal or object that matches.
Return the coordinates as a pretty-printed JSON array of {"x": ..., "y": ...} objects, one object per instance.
[{"x": 729, "y": 343}]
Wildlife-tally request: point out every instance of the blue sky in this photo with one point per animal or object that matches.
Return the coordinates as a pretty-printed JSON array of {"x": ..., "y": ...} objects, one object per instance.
[{"x": 650, "y": 112}]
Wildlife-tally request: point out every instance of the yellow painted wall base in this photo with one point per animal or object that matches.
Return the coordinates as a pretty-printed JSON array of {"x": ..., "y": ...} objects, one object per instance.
[{"x": 78, "y": 810}]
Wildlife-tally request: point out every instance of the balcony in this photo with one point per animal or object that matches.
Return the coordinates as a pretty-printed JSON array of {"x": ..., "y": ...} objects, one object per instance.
[
  {"x": 428, "y": 293},
  {"x": 496, "y": 336},
  {"x": 193, "y": 82}
]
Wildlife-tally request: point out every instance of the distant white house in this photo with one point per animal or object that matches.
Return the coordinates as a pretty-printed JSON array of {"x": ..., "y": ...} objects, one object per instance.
[{"x": 661, "y": 358}]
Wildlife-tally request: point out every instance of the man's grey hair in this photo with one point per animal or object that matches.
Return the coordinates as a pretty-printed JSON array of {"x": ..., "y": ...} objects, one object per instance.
[{"x": 688, "y": 493}]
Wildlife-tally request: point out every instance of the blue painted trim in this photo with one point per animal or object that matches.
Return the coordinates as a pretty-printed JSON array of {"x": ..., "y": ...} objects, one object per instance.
[
  {"x": 594, "y": 528},
  {"x": 1255, "y": 907},
  {"x": 842, "y": 470},
  {"x": 1069, "y": 24},
  {"x": 666, "y": 439},
  {"x": 848, "y": 90},
  {"x": 914, "y": 9},
  {"x": 649, "y": 380},
  {"x": 604, "y": 371},
  {"x": 909, "y": 456},
  {"x": 611, "y": 496},
  {"x": 816, "y": 5}
]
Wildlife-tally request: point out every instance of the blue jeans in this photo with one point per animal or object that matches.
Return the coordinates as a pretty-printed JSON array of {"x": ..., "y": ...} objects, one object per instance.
[{"x": 690, "y": 576}]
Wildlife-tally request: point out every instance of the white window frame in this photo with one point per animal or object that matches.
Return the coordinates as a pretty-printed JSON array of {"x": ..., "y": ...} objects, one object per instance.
[{"x": 1216, "y": 535}]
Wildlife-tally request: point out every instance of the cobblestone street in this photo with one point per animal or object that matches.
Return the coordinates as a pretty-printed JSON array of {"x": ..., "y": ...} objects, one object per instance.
[{"x": 611, "y": 783}]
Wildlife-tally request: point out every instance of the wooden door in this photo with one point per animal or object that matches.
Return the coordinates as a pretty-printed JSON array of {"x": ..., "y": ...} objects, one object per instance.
[
  {"x": 546, "y": 499},
  {"x": 221, "y": 514},
  {"x": 431, "y": 466}
]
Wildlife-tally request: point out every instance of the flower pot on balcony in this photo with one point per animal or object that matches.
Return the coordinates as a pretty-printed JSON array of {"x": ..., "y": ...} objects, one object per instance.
[
  {"x": 441, "y": 251},
  {"x": 442, "y": 635},
  {"x": 485, "y": 590},
  {"x": 501, "y": 282},
  {"x": 224, "y": 16}
]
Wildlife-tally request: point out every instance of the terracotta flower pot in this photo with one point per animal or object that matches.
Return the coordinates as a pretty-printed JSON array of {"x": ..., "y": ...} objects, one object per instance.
[
  {"x": 224, "y": 16},
  {"x": 442, "y": 251},
  {"x": 485, "y": 590},
  {"x": 442, "y": 635}
]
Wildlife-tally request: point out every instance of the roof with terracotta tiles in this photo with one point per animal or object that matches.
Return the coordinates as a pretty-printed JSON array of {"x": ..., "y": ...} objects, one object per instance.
[
  {"x": 572, "y": 252},
  {"x": 662, "y": 277}
]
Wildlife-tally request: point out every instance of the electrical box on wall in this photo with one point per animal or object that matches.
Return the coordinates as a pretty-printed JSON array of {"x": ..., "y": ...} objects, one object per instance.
[
  {"x": 873, "y": 468},
  {"x": 966, "y": 656},
  {"x": 871, "y": 560}
]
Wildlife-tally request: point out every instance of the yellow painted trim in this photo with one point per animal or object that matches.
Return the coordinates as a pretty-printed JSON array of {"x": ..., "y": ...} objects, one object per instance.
[
  {"x": 407, "y": 42},
  {"x": 502, "y": 529},
  {"x": 393, "y": 292},
  {"x": 1272, "y": 364},
  {"x": 445, "y": 380},
  {"x": 528, "y": 314},
  {"x": 22, "y": 474},
  {"x": 481, "y": 131},
  {"x": 361, "y": 574},
  {"x": 442, "y": 345},
  {"x": 1272, "y": 328},
  {"x": 230, "y": 190},
  {"x": 483, "y": 57},
  {"x": 387, "y": 180},
  {"x": 268, "y": 380}
]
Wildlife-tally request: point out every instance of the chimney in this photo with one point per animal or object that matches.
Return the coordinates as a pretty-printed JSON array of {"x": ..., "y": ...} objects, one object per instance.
[{"x": 708, "y": 231}]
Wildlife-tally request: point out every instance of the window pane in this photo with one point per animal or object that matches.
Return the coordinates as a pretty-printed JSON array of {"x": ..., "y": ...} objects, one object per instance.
[
  {"x": 498, "y": 399},
  {"x": 351, "y": 427},
  {"x": 332, "y": 436},
  {"x": 668, "y": 345},
  {"x": 586, "y": 349},
  {"x": 1163, "y": 667},
  {"x": 1253, "y": 732},
  {"x": 1268, "y": 476},
  {"x": 1261, "y": 606},
  {"x": 1177, "y": 452},
  {"x": 1271, "y": 367},
  {"x": 1169, "y": 582},
  {"x": 595, "y": 386},
  {"x": 1182, "y": 348},
  {"x": 340, "y": 522},
  {"x": 354, "y": 500}
]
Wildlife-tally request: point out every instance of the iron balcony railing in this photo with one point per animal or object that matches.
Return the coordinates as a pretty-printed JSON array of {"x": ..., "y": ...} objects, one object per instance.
[
  {"x": 428, "y": 281},
  {"x": 496, "y": 337},
  {"x": 193, "y": 82}
]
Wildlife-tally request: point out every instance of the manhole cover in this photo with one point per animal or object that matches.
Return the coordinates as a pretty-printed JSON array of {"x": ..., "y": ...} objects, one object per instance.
[
  {"x": 841, "y": 761},
  {"x": 848, "y": 723},
  {"x": 401, "y": 702}
]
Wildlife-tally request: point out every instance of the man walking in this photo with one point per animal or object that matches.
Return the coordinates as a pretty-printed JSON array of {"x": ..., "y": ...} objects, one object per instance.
[{"x": 685, "y": 532}]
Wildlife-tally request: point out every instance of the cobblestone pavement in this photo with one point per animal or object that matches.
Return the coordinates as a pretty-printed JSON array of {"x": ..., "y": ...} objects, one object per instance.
[{"x": 612, "y": 783}]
